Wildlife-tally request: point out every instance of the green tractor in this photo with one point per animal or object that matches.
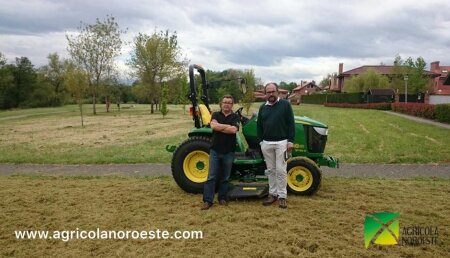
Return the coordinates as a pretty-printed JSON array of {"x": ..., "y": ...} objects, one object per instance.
[{"x": 190, "y": 159}]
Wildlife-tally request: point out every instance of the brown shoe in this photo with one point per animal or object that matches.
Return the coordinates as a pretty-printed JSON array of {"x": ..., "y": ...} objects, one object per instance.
[
  {"x": 282, "y": 203},
  {"x": 269, "y": 200},
  {"x": 223, "y": 202},
  {"x": 206, "y": 206}
]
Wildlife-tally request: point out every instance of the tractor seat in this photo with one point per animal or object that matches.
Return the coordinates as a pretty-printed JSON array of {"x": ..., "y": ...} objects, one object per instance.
[{"x": 204, "y": 114}]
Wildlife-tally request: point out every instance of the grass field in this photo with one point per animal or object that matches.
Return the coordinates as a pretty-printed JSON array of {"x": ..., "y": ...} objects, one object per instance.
[
  {"x": 54, "y": 135},
  {"x": 328, "y": 224}
]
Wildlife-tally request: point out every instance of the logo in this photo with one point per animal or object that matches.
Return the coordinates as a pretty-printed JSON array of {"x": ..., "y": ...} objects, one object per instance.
[{"x": 381, "y": 228}]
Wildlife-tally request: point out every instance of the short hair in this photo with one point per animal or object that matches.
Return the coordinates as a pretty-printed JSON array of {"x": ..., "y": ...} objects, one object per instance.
[
  {"x": 228, "y": 97},
  {"x": 271, "y": 83}
]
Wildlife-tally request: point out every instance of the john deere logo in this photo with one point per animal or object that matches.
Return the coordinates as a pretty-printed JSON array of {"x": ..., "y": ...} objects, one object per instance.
[{"x": 381, "y": 228}]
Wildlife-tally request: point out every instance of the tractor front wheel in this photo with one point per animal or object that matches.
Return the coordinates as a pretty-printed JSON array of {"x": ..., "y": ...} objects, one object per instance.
[
  {"x": 304, "y": 176},
  {"x": 190, "y": 163}
]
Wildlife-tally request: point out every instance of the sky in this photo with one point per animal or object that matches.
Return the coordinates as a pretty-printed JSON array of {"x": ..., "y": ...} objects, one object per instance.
[{"x": 280, "y": 40}]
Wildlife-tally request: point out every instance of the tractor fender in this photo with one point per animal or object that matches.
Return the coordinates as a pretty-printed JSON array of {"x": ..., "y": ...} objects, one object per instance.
[
  {"x": 203, "y": 131},
  {"x": 306, "y": 159}
]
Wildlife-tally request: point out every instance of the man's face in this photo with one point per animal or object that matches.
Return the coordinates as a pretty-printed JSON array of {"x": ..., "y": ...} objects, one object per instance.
[
  {"x": 227, "y": 105},
  {"x": 271, "y": 93}
]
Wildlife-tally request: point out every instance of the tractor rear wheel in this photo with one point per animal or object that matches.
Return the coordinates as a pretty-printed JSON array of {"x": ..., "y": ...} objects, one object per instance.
[
  {"x": 304, "y": 176},
  {"x": 190, "y": 163}
]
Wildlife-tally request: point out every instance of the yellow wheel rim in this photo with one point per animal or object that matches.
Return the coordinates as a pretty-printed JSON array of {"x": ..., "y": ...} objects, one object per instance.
[
  {"x": 195, "y": 166},
  {"x": 300, "y": 179}
]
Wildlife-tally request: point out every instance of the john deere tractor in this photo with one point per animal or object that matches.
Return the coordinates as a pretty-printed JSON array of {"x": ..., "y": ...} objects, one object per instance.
[{"x": 190, "y": 159}]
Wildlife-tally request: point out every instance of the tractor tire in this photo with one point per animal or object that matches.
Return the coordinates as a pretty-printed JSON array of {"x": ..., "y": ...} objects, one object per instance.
[
  {"x": 303, "y": 176},
  {"x": 190, "y": 163}
]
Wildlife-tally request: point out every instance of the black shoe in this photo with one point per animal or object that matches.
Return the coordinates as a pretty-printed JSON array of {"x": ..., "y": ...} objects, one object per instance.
[
  {"x": 269, "y": 200},
  {"x": 282, "y": 203},
  {"x": 206, "y": 206}
]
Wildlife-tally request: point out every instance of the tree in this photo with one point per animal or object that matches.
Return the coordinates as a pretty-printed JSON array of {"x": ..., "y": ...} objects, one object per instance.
[
  {"x": 365, "y": 81},
  {"x": 418, "y": 81},
  {"x": 25, "y": 78},
  {"x": 94, "y": 50},
  {"x": 7, "y": 86},
  {"x": 77, "y": 83},
  {"x": 156, "y": 59},
  {"x": 327, "y": 79},
  {"x": 53, "y": 73},
  {"x": 182, "y": 92},
  {"x": 248, "y": 98},
  {"x": 164, "y": 109}
]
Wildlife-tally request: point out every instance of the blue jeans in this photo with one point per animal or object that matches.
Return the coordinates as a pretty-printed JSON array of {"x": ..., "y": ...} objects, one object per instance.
[{"x": 219, "y": 173}]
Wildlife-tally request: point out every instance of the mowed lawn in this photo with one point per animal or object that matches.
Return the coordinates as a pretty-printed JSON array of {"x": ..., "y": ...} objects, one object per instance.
[
  {"x": 54, "y": 135},
  {"x": 328, "y": 224}
]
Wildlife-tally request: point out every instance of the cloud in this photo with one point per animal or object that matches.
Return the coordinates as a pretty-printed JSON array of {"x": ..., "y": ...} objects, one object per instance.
[{"x": 280, "y": 40}]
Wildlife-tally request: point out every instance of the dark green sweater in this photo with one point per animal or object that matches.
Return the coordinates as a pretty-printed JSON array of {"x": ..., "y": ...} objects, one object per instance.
[{"x": 276, "y": 122}]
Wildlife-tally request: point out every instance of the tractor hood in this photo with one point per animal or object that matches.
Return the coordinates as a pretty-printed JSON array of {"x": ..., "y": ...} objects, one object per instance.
[{"x": 308, "y": 121}]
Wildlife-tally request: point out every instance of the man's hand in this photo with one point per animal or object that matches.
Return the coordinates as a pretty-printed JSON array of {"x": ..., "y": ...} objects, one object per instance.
[{"x": 290, "y": 146}]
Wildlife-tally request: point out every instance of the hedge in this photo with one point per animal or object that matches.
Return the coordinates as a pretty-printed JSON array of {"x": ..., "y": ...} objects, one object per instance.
[
  {"x": 415, "y": 109},
  {"x": 315, "y": 98},
  {"x": 355, "y": 98},
  {"x": 379, "y": 106},
  {"x": 442, "y": 113}
]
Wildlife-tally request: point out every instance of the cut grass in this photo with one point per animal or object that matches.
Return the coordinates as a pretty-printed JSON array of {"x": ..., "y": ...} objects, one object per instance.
[
  {"x": 54, "y": 135},
  {"x": 328, "y": 224}
]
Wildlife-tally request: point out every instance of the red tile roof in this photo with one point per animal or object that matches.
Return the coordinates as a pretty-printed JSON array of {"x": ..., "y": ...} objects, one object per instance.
[{"x": 381, "y": 69}]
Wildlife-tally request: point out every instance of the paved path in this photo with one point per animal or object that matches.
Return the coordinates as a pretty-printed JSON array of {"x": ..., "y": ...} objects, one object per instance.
[
  {"x": 346, "y": 170},
  {"x": 420, "y": 120}
]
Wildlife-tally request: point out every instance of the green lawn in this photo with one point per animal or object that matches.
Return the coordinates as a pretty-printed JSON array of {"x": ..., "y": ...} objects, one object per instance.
[
  {"x": 328, "y": 224},
  {"x": 54, "y": 135}
]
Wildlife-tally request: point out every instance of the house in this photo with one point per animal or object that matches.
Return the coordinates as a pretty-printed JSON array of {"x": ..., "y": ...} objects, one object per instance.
[
  {"x": 305, "y": 88},
  {"x": 259, "y": 94},
  {"x": 386, "y": 70},
  {"x": 447, "y": 81},
  {"x": 442, "y": 82}
]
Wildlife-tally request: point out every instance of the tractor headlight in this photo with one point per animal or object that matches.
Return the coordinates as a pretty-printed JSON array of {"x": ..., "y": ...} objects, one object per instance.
[{"x": 321, "y": 130}]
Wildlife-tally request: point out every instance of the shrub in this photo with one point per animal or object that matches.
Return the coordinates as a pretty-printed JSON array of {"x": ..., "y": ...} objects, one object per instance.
[
  {"x": 354, "y": 98},
  {"x": 415, "y": 109},
  {"x": 314, "y": 98},
  {"x": 379, "y": 106},
  {"x": 442, "y": 113}
]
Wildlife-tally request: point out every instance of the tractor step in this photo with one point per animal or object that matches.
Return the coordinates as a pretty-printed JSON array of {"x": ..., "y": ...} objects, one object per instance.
[{"x": 246, "y": 190}]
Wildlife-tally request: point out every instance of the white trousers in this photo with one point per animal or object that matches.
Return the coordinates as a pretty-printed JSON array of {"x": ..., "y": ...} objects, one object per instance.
[{"x": 274, "y": 154}]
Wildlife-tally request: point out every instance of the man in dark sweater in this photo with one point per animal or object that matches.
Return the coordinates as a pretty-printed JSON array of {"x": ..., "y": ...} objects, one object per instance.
[
  {"x": 225, "y": 125},
  {"x": 276, "y": 131}
]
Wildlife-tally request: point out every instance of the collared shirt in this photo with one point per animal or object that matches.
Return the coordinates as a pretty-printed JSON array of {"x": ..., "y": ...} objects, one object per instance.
[{"x": 270, "y": 104}]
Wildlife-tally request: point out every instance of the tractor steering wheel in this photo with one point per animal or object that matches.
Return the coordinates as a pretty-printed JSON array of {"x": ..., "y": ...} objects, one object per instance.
[
  {"x": 239, "y": 111},
  {"x": 243, "y": 119}
]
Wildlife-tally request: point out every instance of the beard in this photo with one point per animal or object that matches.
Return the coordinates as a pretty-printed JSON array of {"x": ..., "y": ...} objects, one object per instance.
[{"x": 272, "y": 99}]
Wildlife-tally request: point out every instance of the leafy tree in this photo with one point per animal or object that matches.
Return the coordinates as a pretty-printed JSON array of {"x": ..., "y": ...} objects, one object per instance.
[
  {"x": 182, "y": 92},
  {"x": 365, "y": 81},
  {"x": 77, "y": 83},
  {"x": 164, "y": 95},
  {"x": 25, "y": 78},
  {"x": 53, "y": 76},
  {"x": 326, "y": 80},
  {"x": 248, "y": 98},
  {"x": 156, "y": 59},
  {"x": 7, "y": 86},
  {"x": 418, "y": 81},
  {"x": 94, "y": 50}
]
